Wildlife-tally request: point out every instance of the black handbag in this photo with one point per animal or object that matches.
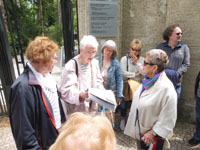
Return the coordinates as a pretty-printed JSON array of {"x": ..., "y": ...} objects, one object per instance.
[{"x": 158, "y": 141}]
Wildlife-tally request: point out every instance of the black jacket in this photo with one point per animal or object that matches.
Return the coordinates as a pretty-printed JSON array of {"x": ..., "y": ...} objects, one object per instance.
[
  {"x": 31, "y": 118},
  {"x": 197, "y": 84}
]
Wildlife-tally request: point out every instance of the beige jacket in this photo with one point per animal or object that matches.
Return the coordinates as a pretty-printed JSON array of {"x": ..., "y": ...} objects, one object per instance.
[{"x": 157, "y": 110}]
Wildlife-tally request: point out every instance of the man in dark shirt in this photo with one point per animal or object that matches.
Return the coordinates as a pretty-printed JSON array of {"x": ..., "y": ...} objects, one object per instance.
[
  {"x": 178, "y": 53},
  {"x": 194, "y": 142}
]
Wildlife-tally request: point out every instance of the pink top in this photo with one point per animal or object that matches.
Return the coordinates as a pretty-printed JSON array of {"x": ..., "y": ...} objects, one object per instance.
[{"x": 71, "y": 86}]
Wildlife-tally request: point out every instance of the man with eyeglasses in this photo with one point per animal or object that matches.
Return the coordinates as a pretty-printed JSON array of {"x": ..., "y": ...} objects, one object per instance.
[{"x": 178, "y": 54}]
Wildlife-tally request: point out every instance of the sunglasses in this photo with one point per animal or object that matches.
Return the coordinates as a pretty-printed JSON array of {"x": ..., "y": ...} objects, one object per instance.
[
  {"x": 133, "y": 49},
  {"x": 146, "y": 63},
  {"x": 179, "y": 33}
]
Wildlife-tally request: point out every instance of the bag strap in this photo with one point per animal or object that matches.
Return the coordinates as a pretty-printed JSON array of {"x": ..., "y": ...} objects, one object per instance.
[
  {"x": 76, "y": 66},
  {"x": 137, "y": 120},
  {"x": 127, "y": 63}
]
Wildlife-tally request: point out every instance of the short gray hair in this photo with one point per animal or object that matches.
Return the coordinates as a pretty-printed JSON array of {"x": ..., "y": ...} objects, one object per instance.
[
  {"x": 88, "y": 40},
  {"x": 158, "y": 57},
  {"x": 110, "y": 43}
]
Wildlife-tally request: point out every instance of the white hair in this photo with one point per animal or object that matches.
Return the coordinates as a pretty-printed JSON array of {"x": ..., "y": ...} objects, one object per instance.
[
  {"x": 88, "y": 40},
  {"x": 110, "y": 43}
]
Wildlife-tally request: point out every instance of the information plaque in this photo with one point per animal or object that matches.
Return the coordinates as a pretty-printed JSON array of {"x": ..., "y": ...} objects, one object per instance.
[{"x": 103, "y": 17}]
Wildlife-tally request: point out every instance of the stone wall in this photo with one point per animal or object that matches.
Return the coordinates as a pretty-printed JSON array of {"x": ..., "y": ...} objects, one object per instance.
[{"x": 146, "y": 20}]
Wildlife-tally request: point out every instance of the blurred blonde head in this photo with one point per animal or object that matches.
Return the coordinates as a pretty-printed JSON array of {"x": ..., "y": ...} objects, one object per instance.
[{"x": 85, "y": 132}]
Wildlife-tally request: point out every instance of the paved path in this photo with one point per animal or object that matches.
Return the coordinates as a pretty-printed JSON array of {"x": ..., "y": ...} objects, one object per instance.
[{"x": 182, "y": 131}]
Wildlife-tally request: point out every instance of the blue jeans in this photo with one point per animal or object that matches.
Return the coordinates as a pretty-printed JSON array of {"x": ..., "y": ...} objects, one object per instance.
[
  {"x": 197, "y": 133},
  {"x": 178, "y": 91},
  {"x": 123, "y": 108}
]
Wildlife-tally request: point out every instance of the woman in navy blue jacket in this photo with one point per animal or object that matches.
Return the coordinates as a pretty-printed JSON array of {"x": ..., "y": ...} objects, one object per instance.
[
  {"x": 111, "y": 72},
  {"x": 36, "y": 113}
]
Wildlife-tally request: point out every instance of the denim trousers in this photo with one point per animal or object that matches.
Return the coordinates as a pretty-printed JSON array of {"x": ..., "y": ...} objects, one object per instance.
[
  {"x": 123, "y": 109},
  {"x": 197, "y": 132},
  {"x": 178, "y": 91}
]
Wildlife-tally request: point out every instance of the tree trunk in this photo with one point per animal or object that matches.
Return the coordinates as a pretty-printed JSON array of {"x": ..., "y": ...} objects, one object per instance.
[
  {"x": 59, "y": 13},
  {"x": 40, "y": 16},
  {"x": 18, "y": 3}
]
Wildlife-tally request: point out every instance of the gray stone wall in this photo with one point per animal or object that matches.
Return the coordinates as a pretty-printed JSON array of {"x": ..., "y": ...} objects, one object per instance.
[
  {"x": 187, "y": 14},
  {"x": 83, "y": 8},
  {"x": 146, "y": 20}
]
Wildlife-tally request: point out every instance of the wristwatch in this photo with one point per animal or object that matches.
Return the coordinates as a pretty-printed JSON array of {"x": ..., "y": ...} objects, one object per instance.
[{"x": 153, "y": 132}]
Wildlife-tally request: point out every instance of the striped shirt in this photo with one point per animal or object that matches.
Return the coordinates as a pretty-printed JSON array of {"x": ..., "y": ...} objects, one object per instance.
[
  {"x": 49, "y": 87},
  {"x": 87, "y": 73}
]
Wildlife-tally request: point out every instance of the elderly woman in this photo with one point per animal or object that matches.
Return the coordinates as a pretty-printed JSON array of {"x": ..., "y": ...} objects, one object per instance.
[
  {"x": 36, "y": 112},
  {"x": 112, "y": 73},
  {"x": 86, "y": 132},
  {"x": 81, "y": 73},
  {"x": 154, "y": 111},
  {"x": 131, "y": 65}
]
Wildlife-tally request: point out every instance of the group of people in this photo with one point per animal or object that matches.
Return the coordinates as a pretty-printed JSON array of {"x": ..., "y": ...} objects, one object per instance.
[{"x": 38, "y": 120}]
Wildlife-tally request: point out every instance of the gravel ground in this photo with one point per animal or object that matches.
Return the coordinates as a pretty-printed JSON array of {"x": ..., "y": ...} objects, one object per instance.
[{"x": 182, "y": 133}]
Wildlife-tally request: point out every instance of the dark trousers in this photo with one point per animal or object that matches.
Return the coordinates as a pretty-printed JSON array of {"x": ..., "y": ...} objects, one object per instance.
[
  {"x": 124, "y": 107},
  {"x": 197, "y": 133}
]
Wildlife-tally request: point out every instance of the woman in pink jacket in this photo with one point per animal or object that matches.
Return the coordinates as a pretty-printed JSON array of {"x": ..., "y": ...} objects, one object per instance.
[{"x": 81, "y": 73}]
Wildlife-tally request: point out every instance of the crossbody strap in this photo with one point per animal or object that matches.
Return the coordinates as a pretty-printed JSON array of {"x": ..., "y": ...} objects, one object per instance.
[
  {"x": 76, "y": 67},
  {"x": 137, "y": 120},
  {"x": 127, "y": 63}
]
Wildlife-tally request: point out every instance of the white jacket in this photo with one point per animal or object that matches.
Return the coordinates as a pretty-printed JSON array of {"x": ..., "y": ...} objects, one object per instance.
[{"x": 157, "y": 108}]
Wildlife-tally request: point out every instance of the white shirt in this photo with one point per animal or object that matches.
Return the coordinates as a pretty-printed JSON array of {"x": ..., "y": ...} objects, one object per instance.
[{"x": 49, "y": 87}]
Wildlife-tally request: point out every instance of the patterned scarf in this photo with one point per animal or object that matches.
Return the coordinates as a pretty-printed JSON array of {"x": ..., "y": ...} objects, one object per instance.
[{"x": 147, "y": 82}]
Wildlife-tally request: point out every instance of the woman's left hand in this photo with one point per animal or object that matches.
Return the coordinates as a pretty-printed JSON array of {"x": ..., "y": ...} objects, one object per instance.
[{"x": 148, "y": 137}]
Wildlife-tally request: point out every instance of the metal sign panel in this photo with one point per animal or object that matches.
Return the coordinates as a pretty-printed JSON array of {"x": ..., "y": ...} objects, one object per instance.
[{"x": 103, "y": 17}]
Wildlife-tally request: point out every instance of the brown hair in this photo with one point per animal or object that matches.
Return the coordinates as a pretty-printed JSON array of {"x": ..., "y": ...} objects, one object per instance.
[
  {"x": 168, "y": 31},
  {"x": 41, "y": 49},
  {"x": 86, "y": 132}
]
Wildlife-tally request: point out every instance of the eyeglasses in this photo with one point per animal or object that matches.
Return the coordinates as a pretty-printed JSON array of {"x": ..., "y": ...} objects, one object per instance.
[
  {"x": 110, "y": 51},
  {"x": 133, "y": 49},
  {"x": 146, "y": 63},
  {"x": 179, "y": 33}
]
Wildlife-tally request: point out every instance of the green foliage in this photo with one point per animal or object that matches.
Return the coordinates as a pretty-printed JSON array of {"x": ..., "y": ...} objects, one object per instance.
[
  {"x": 75, "y": 16},
  {"x": 26, "y": 15},
  {"x": 55, "y": 33}
]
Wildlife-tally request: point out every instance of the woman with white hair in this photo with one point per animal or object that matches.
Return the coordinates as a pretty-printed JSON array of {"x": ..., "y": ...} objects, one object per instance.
[
  {"x": 112, "y": 74},
  {"x": 81, "y": 73},
  {"x": 153, "y": 112}
]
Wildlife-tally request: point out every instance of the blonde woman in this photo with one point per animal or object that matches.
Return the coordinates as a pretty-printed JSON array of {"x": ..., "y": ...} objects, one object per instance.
[
  {"x": 132, "y": 68},
  {"x": 86, "y": 132}
]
